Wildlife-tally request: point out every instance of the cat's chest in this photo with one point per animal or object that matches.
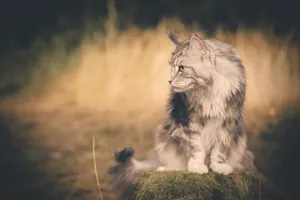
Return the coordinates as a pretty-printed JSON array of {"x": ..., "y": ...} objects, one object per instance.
[
  {"x": 205, "y": 127},
  {"x": 182, "y": 133},
  {"x": 210, "y": 108},
  {"x": 181, "y": 136},
  {"x": 195, "y": 126}
]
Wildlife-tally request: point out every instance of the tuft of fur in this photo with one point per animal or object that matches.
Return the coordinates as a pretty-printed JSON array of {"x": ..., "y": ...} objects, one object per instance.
[
  {"x": 125, "y": 173},
  {"x": 204, "y": 127}
]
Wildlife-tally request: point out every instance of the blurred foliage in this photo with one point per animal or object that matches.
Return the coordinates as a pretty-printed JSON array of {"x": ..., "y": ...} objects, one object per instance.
[{"x": 23, "y": 21}]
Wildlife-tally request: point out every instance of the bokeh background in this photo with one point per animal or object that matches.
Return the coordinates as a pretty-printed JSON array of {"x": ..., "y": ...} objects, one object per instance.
[{"x": 74, "y": 70}]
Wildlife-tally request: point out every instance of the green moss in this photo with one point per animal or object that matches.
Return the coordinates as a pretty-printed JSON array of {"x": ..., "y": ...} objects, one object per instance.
[{"x": 172, "y": 185}]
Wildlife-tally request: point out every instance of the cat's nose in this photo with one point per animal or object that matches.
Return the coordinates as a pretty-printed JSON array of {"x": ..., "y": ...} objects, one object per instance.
[{"x": 170, "y": 81}]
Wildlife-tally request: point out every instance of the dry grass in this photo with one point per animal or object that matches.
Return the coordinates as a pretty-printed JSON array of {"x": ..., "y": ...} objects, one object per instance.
[
  {"x": 115, "y": 87},
  {"x": 126, "y": 72}
]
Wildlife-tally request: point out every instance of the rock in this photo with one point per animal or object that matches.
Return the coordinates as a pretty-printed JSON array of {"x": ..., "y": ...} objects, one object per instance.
[{"x": 175, "y": 185}]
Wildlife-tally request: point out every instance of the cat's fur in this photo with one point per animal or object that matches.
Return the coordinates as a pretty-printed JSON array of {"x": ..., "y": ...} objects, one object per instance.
[{"x": 204, "y": 126}]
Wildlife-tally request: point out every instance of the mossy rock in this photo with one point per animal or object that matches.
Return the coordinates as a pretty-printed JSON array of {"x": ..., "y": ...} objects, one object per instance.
[{"x": 176, "y": 185}]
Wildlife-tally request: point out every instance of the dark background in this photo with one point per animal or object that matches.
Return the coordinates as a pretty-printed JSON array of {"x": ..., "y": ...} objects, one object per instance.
[{"x": 23, "y": 21}]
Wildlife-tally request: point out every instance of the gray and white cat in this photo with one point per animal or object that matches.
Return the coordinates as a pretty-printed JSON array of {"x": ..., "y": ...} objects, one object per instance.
[{"x": 204, "y": 127}]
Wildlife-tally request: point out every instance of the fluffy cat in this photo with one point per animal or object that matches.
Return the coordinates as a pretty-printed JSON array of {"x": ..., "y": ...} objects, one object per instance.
[{"x": 204, "y": 127}]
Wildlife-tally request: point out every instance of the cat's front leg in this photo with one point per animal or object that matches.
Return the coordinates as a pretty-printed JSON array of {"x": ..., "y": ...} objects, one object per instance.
[
  {"x": 168, "y": 157},
  {"x": 196, "y": 162},
  {"x": 218, "y": 161}
]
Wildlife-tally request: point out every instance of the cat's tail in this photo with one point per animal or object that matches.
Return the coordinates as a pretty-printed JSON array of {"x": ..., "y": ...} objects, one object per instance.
[{"x": 125, "y": 173}]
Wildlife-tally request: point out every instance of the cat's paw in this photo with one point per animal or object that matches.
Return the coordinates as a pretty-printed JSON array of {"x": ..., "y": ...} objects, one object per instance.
[
  {"x": 221, "y": 168},
  {"x": 197, "y": 168},
  {"x": 161, "y": 168}
]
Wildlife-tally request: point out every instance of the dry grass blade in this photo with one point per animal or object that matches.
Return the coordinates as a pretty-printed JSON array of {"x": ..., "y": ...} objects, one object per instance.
[
  {"x": 133, "y": 64},
  {"x": 95, "y": 167}
]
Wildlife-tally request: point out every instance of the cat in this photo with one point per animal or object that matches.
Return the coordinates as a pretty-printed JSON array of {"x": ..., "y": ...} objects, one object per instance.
[{"x": 204, "y": 127}]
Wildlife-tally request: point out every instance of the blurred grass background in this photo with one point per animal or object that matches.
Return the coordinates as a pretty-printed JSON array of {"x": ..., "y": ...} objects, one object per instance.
[{"x": 107, "y": 77}]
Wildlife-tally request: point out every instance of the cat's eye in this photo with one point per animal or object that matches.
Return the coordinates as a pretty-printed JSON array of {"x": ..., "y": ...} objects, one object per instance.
[{"x": 180, "y": 68}]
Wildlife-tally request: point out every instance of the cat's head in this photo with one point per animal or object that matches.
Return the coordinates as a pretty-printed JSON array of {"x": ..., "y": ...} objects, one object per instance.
[{"x": 197, "y": 63}]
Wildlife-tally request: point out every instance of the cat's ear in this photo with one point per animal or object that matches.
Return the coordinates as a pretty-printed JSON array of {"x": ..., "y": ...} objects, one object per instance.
[
  {"x": 196, "y": 43},
  {"x": 176, "y": 40}
]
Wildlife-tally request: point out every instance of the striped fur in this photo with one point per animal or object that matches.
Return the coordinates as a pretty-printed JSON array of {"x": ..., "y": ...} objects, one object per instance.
[{"x": 204, "y": 125}]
